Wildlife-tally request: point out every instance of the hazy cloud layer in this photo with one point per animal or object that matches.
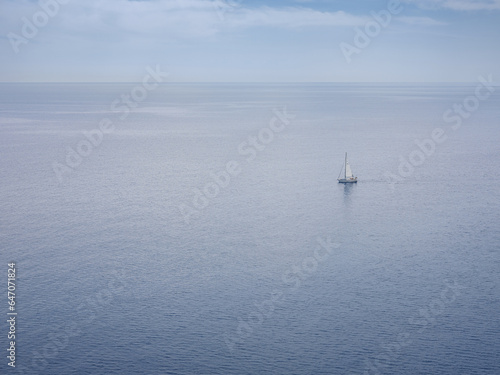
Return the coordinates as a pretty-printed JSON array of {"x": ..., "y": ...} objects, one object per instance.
[
  {"x": 251, "y": 40},
  {"x": 170, "y": 18},
  {"x": 462, "y": 5}
]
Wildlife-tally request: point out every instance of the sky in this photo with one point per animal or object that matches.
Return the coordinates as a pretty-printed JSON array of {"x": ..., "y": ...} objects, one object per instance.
[{"x": 250, "y": 40}]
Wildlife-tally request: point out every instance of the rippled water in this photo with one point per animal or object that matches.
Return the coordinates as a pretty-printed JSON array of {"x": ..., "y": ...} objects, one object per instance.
[{"x": 284, "y": 271}]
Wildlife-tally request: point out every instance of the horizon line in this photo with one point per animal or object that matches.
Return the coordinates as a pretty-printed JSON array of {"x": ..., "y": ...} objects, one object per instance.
[{"x": 243, "y": 82}]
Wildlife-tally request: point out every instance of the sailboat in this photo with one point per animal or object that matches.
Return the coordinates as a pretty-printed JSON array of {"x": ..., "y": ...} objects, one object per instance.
[{"x": 348, "y": 176}]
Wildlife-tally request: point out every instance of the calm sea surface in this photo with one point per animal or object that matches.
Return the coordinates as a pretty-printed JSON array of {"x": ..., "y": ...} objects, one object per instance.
[{"x": 132, "y": 260}]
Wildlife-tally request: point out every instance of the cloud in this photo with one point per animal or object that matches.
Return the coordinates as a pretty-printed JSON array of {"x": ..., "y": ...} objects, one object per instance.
[
  {"x": 292, "y": 17},
  {"x": 420, "y": 21},
  {"x": 167, "y": 19},
  {"x": 459, "y": 5}
]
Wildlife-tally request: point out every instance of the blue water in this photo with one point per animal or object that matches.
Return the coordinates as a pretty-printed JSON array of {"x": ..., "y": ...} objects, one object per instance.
[{"x": 115, "y": 278}]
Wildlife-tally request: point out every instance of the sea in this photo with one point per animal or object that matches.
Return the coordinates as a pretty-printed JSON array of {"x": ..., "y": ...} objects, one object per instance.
[{"x": 185, "y": 228}]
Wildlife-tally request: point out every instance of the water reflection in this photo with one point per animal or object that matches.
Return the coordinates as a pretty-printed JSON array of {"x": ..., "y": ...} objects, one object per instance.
[{"x": 347, "y": 193}]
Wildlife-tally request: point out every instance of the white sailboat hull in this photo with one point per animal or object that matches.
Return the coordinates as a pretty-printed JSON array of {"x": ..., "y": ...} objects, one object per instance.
[{"x": 348, "y": 180}]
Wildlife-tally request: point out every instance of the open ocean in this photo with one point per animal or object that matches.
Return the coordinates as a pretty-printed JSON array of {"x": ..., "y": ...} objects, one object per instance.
[{"x": 204, "y": 232}]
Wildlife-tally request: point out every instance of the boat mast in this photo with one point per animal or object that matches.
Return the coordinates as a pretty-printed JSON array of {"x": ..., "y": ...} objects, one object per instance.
[{"x": 345, "y": 167}]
